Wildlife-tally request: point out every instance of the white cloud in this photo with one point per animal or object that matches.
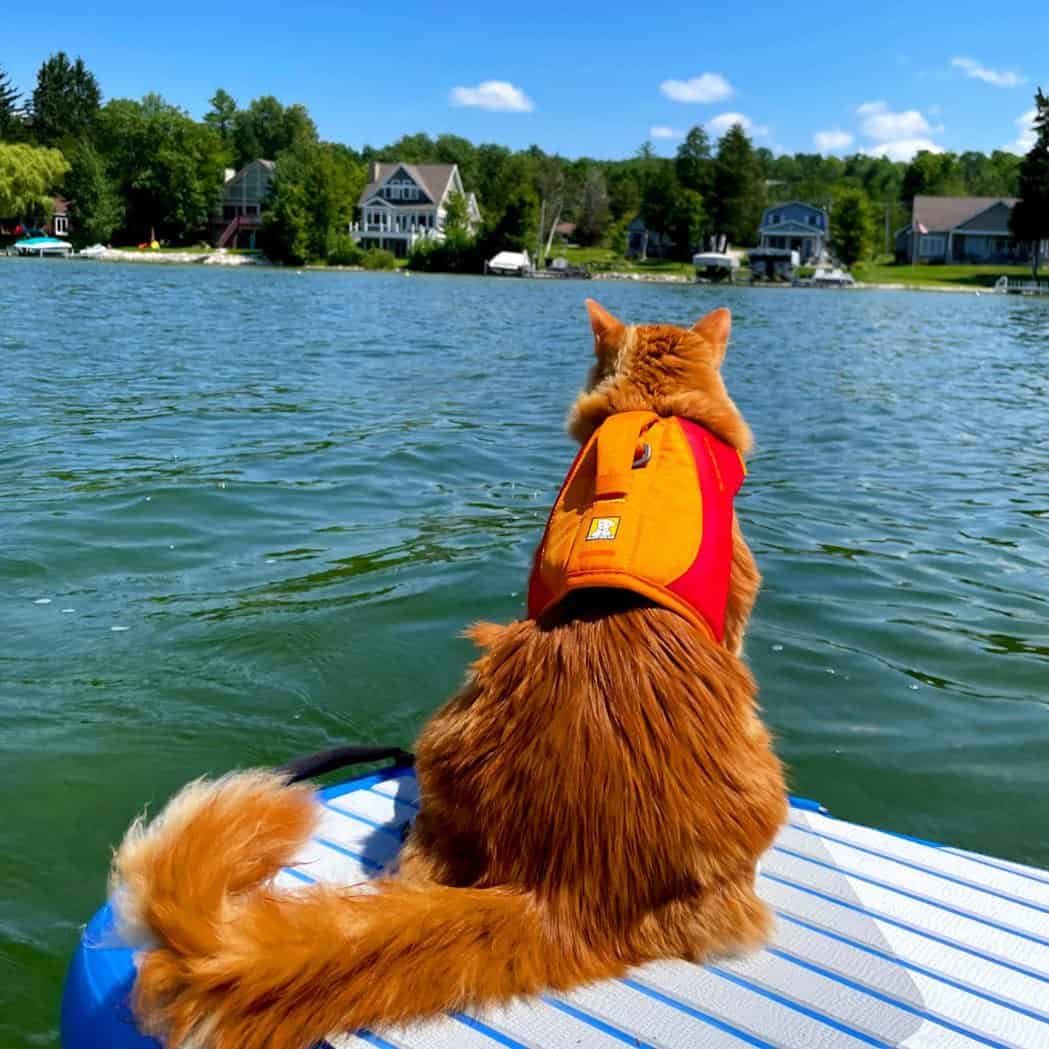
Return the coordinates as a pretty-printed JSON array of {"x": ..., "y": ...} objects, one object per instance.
[
  {"x": 707, "y": 87},
  {"x": 829, "y": 141},
  {"x": 723, "y": 121},
  {"x": 498, "y": 95},
  {"x": 879, "y": 122},
  {"x": 1025, "y": 139},
  {"x": 902, "y": 148},
  {"x": 998, "y": 77},
  {"x": 662, "y": 131}
]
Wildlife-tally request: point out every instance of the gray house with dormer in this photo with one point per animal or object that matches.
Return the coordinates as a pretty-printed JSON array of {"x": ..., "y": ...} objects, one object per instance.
[{"x": 795, "y": 226}]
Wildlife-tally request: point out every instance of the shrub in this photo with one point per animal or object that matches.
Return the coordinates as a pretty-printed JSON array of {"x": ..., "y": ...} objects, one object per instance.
[
  {"x": 379, "y": 259},
  {"x": 343, "y": 250}
]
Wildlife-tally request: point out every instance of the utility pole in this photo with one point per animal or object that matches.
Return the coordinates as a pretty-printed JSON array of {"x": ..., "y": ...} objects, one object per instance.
[{"x": 539, "y": 233}]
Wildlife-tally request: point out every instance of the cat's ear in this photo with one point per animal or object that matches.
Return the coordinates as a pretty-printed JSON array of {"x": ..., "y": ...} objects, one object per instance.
[
  {"x": 715, "y": 329},
  {"x": 606, "y": 327}
]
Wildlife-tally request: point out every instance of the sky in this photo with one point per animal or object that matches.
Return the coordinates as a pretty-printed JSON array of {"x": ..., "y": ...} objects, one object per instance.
[{"x": 593, "y": 80}]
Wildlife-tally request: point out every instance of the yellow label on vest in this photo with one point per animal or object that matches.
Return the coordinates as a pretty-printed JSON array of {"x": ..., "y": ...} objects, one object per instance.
[{"x": 603, "y": 528}]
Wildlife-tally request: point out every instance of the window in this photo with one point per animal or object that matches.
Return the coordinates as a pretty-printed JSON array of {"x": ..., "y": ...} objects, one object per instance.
[
  {"x": 929, "y": 245},
  {"x": 61, "y": 225},
  {"x": 775, "y": 219}
]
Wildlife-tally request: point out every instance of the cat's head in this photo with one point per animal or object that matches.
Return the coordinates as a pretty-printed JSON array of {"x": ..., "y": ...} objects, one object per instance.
[{"x": 659, "y": 368}]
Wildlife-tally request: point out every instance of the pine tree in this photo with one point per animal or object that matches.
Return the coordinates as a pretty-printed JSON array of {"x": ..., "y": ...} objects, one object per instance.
[
  {"x": 9, "y": 122},
  {"x": 693, "y": 163},
  {"x": 739, "y": 188},
  {"x": 1030, "y": 218},
  {"x": 66, "y": 99}
]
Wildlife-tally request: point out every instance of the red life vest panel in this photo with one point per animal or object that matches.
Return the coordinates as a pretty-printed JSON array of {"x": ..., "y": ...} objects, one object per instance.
[{"x": 646, "y": 506}]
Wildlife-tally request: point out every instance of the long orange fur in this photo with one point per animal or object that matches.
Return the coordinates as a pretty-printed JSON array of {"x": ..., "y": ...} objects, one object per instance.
[{"x": 595, "y": 797}]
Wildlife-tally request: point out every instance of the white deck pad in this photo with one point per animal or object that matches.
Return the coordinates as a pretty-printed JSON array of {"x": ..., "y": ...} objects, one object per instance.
[{"x": 880, "y": 941}]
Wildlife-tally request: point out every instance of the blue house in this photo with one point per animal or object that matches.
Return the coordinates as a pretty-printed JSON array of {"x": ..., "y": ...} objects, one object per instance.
[{"x": 795, "y": 226}]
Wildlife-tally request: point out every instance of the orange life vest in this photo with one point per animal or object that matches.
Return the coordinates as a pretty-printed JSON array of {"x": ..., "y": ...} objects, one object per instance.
[{"x": 646, "y": 506}]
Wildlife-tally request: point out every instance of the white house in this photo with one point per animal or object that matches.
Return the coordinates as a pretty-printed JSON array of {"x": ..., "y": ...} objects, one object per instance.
[{"x": 405, "y": 203}]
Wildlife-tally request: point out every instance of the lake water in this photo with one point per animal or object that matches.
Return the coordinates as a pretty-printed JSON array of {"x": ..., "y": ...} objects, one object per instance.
[{"x": 245, "y": 515}]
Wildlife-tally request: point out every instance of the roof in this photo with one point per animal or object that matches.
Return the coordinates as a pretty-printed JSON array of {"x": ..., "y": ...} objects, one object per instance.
[
  {"x": 790, "y": 203},
  {"x": 945, "y": 213},
  {"x": 433, "y": 178}
]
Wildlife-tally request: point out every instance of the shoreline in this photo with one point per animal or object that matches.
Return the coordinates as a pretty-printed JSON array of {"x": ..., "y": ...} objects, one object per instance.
[{"x": 223, "y": 258}]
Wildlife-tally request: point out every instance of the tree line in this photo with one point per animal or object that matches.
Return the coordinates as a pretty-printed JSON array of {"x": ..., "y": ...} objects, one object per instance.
[{"x": 133, "y": 169}]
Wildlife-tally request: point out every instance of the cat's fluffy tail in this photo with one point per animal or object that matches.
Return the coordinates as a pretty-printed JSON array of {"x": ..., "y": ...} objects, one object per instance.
[{"x": 234, "y": 964}]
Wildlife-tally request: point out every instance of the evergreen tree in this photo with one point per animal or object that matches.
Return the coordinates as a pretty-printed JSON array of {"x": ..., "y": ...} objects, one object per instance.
[
  {"x": 66, "y": 100},
  {"x": 693, "y": 163},
  {"x": 267, "y": 128},
  {"x": 593, "y": 215},
  {"x": 1030, "y": 218},
  {"x": 739, "y": 188},
  {"x": 852, "y": 226},
  {"x": 10, "y": 124},
  {"x": 222, "y": 114}
]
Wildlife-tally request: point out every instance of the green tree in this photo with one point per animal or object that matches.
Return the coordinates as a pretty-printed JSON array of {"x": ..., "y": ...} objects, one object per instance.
[
  {"x": 66, "y": 100},
  {"x": 739, "y": 193},
  {"x": 932, "y": 174},
  {"x": 852, "y": 226},
  {"x": 593, "y": 215},
  {"x": 96, "y": 205},
  {"x": 658, "y": 199},
  {"x": 10, "y": 124},
  {"x": 688, "y": 220},
  {"x": 315, "y": 189},
  {"x": 456, "y": 215},
  {"x": 167, "y": 168},
  {"x": 221, "y": 116},
  {"x": 267, "y": 128},
  {"x": 693, "y": 163},
  {"x": 1029, "y": 221},
  {"x": 29, "y": 176}
]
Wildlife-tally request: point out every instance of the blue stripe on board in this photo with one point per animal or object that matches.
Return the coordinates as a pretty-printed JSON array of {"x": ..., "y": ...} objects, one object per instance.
[
  {"x": 903, "y": 963},
  {"x": 490, "y": 1032},
  {"x": 872, "y": 992},
  {"x": 363, "y": 860},
  {"x": 879, "y": 916},
  {"x": 688, "y": 1010},
  {"x": 387, "y": 828},
  {"x": 920, "y": 867},
  {"x": 806, "y": 805},
  {"x": 596, "y": 1023},
  {"x": 373, "y": 1039},
  {"x": 298, "y": 874},
  {"x": 394, "y": 797},
  {"x": 798, "y": 1007},
  {"x": 987, "y": 861},
  {"x": 913, "y": 896},
  {"x": 364, "y": 782}
]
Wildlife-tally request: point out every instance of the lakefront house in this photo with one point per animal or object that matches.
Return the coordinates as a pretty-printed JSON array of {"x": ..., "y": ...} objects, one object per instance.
[
  {"x": 795, "y": 226},
  {"x": 403, "y": 204},
  {"x": 960, "y": 230},
  {"x": 237, "y": 217}
]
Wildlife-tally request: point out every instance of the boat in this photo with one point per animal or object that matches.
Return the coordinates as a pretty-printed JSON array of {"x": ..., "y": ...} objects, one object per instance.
[
  {"x": 36, "y": 242},
  {"x": 714, "y": 266},
  {"x": 833, "y": 278},
  {"x": 881, "y": 940},
  {"x": 95, "y": 251},
  {"x": 509, "y": 264}
]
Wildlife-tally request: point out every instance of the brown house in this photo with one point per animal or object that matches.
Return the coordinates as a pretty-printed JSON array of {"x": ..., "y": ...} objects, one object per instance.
[{"x": 959, "y": 230}]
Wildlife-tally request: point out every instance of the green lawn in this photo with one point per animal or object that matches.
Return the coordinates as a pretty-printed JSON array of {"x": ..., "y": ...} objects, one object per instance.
[
  {"x": 605, "y": 259},
  {"x": 924, "y": 276}
]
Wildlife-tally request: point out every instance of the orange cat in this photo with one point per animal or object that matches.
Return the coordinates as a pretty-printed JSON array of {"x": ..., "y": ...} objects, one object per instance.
[{"x": 595, "y": 797}]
